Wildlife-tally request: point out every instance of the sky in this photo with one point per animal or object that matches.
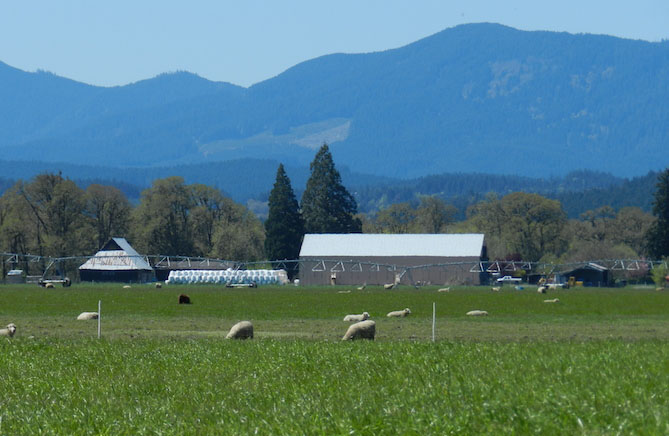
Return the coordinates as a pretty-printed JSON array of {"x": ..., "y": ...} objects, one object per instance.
[{"x": 110, "y": 43}]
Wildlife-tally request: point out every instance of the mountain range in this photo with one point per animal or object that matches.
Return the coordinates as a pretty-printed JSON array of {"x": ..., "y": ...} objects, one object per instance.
[{"x": 477, "y": 98}]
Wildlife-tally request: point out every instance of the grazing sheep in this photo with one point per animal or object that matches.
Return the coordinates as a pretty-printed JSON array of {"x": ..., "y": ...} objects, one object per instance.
[
  {"x": 184, "y": 299},
  {"x": 85, "y": 316},
  {"x": 389, "y": 286},
  {"x": 477, "y": 313},
  {"x": 444, "y": 289},
  {"x": 361, "y": 330},
  {"x": 496, "y": 288},
  {"x": 49, "y": 286},
  {"x": 554, "y": 300},
  {"x": 399, "y": 313},
  {"x": 241, "y": 330},
  {"x": 356, "y": 318},
  {"x": 542, "y": 289},
  {"x": 8, "y": 331},
  {"x": 159, "y": 285}
]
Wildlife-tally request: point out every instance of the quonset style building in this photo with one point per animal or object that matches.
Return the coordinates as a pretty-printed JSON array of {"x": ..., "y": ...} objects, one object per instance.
[
  {"x": 375, "y": 259},
  {"x": 116, "y": 261}
]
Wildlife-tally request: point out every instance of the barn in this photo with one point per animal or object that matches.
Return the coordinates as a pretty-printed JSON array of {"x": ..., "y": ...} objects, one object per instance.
[
  {"x": 357, "y": 258},
  {"x": 590, "y": 274},
  {"x": 116, "y": 261}
]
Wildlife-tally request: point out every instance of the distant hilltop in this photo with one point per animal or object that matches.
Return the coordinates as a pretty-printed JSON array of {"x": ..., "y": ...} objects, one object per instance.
[{"x": 473, "y": 98}]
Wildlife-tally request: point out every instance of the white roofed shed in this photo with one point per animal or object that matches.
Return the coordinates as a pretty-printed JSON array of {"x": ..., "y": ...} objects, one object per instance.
[{"x": 357, "y": 258}]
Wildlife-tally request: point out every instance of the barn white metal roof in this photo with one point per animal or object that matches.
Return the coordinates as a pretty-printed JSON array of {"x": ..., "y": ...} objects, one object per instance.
[
  {"x": 380, "y": 245},
  {"x": 117, "y": 254}
]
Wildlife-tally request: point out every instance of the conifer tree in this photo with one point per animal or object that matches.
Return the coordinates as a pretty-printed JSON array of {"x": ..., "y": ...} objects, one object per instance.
[
  {"x": 284, "y": 227},
  {"x": 657, "y": 238},
  {"x": 327, "y": 207}
]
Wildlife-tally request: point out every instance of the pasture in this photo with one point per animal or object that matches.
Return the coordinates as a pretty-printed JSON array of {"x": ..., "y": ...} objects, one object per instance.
[{"x": 597, "y": 362}]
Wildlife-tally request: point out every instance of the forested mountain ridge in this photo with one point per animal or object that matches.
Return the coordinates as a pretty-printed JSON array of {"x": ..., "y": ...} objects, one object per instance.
[{"x": 478, "y": 98}]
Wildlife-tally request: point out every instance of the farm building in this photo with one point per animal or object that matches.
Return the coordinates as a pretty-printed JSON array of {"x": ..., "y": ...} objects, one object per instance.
[
  {"x": 116, "y": 261},
  {"x": 356, "y": 258},
  {"x": 590, "y": 274}
]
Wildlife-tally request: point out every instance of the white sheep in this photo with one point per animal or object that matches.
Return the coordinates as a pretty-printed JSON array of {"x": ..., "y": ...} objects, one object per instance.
[
  {"x": 554, "y": 300},
  {"x": 344, "y": 292},
  {"x": 8, "y": 331},
  {"x": 85, "y": 316},
  {"x": 496, "y": 288},
  {"x": 542, "y": 289},
  {"x": 361, "y": 330},
  {"x": 477, "y": 313},
  {"x": 361, "y": 288},
  {"x": 241, "y": 330},
  {"x": 389, "y": 286},
  {"x": 357, "y": 318},
  {"x": 399, "y": 313},
  {"x": 159, "y": 285},
  {"x": 126, "y": 286},
  {"x": 448, "y": 289},
  {"x": 49, "y": 286}
]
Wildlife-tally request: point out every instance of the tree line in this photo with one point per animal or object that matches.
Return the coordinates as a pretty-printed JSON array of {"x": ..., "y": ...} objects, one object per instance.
[{"x": 51, "y": 216}]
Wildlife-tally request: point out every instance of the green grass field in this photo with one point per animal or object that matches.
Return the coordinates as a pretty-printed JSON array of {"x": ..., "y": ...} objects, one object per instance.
[{"x": 597, "y": 362}]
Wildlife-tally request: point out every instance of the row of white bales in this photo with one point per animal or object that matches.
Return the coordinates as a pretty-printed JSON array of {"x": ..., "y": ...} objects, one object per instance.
[{"x": 229, "y": 276}]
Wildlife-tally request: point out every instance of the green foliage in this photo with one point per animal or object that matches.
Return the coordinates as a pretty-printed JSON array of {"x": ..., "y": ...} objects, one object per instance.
[
  {"x": 659, "y": 275},
  {"x": 109, "y": 210},
  {"x": 327, "y": 207},
  {"x": 528, "y": 226},
  {"x": 657, "y": 236},
  {"x": 284, "y": 227}
]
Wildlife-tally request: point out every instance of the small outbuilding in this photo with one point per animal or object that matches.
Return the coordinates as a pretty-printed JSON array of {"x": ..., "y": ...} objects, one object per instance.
[
  {"x": 116, "y": 261},
  {"x": 590, "y": 274},
  {"x": 357, "y": 258}
]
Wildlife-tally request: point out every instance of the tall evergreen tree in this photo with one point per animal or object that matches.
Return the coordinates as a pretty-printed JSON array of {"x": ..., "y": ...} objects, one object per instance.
[
  {"x": 327, "y": 207},
  {"x": 284, "y": 227},
  {"x": 657, "y": 238}
]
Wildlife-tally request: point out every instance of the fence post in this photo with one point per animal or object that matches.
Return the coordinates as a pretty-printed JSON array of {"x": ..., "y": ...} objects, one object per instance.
[
  {"x": 99, "y": 316},
  {"x": 434, "y": 318}
]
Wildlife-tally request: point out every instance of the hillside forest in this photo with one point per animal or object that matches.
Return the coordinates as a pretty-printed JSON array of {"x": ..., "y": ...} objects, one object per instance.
[{"x": 49, "y": 215}]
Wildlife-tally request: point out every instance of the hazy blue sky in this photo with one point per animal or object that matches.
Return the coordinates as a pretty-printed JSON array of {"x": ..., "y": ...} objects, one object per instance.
[{"x": 244, "y": 42}]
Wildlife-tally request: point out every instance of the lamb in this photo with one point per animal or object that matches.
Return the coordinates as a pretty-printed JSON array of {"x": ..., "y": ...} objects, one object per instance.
[
  {"x": 241, "y": 330},
  {"x": 8, "y": 331},
  {"x": 361, "y": 288},
  {"x": 477, "y": 313},
  {"x": 85, "y": 316},
  {"x": 184, "y": 299},
  {"x": 496, "y": 288},
  {"x": 159, "y": 285},
  {"x": 357, "y": 318},
  {"x": 554, "y": 300},
  {"x": 399, "y": 313},
  {"x": 361, "y": 330},
  {"x": 448, "y": 289},
  {"x": 542, "y": 289}
]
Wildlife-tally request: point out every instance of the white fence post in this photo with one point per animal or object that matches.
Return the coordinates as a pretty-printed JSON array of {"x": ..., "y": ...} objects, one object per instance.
[
  {"x": 99, "y": 316},
  {"x": 434, "y": 318}
]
